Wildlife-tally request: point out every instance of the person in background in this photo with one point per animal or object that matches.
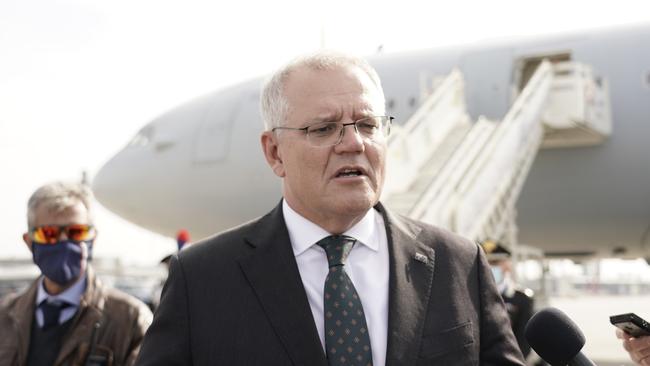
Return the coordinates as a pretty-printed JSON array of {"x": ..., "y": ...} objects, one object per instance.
[
  {"x": 67, "y": 316},
  {"x": 637, "y": 348},
  {"x": 182, "y": 238},
  {"x": 519, "y": 301},
  {"x": 182, "y": 241}
]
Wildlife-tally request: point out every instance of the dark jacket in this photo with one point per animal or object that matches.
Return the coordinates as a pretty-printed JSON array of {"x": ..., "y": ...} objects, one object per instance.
[
  {"x": 122, "y": 321},
  {"x": 519, "y": 303},
  {"x": 237, "y": 299}
]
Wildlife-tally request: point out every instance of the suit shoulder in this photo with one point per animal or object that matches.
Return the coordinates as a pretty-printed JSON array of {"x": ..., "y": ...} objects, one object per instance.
[
  {"x": 120, "y": 304},
  {"x": 439, "y": 238},
  {"x": 8, "y": 303},
  {"x": 18, "y": 300},
  {"x": 226, "y": 244},
  {"x": 117, "y": 299}
]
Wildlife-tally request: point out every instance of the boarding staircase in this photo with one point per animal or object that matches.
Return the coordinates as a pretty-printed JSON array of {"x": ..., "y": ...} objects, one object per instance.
[{"x": 466, "y": 176}]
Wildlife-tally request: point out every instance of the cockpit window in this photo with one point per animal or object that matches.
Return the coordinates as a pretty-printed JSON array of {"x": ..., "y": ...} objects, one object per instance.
[{"x": 143, "y": 137}]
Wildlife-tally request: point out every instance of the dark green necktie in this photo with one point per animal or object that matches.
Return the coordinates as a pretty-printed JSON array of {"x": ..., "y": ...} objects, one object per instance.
[{"x": 346, "y": 333}]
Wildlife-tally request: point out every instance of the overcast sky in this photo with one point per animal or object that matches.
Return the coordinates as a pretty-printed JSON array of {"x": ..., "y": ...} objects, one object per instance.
[{"x": 78, "y": 78}]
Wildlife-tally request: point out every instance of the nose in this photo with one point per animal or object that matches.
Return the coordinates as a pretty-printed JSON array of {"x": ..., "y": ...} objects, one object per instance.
[{"x": 350, "y": 141}]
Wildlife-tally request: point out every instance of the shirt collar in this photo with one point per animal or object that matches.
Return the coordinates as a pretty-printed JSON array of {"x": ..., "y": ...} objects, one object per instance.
[
  {"x": 304, "y": 233},
  {"x": 71, "y": 295}
]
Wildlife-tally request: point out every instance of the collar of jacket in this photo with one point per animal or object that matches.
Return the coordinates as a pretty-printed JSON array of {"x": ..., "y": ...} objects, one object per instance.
[{"x": 89, "y": 313}]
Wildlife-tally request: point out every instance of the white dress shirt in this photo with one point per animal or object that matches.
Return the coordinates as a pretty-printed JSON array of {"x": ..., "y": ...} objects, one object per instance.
[
  {"x": 71, "y": 295},
  {"x": 367, "y": 266}
]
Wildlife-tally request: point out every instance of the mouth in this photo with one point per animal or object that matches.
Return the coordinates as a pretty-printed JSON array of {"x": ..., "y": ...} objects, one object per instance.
[{"x": 346, "y": 172}]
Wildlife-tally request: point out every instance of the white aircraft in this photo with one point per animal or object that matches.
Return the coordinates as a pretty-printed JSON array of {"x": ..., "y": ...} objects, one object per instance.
[{"x": 200, "y": 166}]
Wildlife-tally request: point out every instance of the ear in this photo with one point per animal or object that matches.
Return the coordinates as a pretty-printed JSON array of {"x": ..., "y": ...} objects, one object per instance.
[
  {"x": 271, "y": 149},
  {"x": 84, "y": 253},
  {"x": 28, "y": 241}
]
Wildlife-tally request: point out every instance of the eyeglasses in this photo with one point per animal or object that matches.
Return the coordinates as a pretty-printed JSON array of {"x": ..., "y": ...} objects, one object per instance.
[
  {"x": 331, "y": 133},
  {"x": 51, "y": 234}
]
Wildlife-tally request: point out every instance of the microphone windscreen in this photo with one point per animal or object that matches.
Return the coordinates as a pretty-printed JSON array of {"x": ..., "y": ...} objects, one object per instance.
[{"x": 555, "y": 337}]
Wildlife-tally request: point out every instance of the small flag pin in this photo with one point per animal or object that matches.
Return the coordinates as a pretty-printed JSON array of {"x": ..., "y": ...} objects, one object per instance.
[{"x": 421, "y": 258}]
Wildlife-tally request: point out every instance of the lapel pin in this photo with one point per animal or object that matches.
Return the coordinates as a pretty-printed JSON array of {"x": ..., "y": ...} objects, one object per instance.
[{"x": 421, "y": 258}]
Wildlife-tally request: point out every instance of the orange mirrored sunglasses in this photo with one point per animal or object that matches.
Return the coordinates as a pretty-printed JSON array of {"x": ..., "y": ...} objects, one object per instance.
[{"x": 51, "y": 234}]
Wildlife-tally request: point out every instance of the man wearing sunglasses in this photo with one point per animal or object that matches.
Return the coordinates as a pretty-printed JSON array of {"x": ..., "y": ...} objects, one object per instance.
[
  {"x": 330, "y": 276},
  {"x": 67, "y": 317}
]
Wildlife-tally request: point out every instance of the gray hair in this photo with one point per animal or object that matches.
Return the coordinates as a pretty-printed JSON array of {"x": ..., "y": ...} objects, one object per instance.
[
  {"x": 274, "y": 104},
  {"x": 58, "y": 196}
]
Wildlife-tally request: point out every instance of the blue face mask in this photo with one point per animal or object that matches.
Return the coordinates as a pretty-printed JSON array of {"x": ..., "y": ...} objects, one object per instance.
[
  {"x": 497, "y": 272},
  {"x": 60, "y": 262}
]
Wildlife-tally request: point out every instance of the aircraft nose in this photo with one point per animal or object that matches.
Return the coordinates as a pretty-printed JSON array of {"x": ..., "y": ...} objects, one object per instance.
[
  {"x": 147, "y": 181},
  {"x": 115, "y": 184}
]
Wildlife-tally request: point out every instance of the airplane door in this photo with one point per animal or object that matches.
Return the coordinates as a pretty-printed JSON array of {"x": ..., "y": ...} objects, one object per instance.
[{"x": 488, "y": 79}]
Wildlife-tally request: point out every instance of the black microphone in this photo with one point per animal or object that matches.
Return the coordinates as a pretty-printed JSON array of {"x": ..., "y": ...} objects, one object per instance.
[{"x": 556, "y": 338}]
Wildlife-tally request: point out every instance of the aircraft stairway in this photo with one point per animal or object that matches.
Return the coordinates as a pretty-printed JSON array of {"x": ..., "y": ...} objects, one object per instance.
[
  {"x": 402, "y": 202},
  {"x": 433, "y": 129},
  {"x": 467, "y": 178}
]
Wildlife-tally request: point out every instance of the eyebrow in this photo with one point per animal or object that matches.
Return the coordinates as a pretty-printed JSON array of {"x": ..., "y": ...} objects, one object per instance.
[
  {"x": 329, "y": 117},
  {"x": 366, "y": 112},
  {"x": 357, "y": 114}
]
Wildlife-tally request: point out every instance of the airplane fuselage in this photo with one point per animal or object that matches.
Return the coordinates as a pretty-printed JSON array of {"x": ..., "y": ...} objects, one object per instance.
[{"x": 200, "y": 166}]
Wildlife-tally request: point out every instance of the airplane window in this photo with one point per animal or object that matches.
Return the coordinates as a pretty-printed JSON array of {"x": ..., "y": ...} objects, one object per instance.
[
  {"x": 647, "y": 79},
  {"x": 412, "y": 101},
  {"x": 143, "y": 137},
  {"x": 599, "y": 81},
  {"x": 391, "y": 103}
]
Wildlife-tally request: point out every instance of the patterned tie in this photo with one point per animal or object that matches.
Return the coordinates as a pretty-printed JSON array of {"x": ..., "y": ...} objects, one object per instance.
[
  {"x": 346, "y": 334},
  {"x": 52, "y": 313}
]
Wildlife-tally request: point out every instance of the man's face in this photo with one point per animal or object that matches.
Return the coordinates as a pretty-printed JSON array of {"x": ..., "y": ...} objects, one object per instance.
[
  {"x": 315, "y": 182},
  {"x": 76, "y": 214}
]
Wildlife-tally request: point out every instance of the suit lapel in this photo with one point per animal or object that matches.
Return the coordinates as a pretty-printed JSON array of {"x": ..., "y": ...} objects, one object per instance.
[
  {"x": 411, "y": 276},
  {"x": 23, "y": 314},
  {"x": 273, "y": 274}
]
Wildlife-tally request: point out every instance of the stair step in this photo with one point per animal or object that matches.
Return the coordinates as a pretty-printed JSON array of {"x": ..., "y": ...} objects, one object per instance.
[{"x": 403, "y": 202}]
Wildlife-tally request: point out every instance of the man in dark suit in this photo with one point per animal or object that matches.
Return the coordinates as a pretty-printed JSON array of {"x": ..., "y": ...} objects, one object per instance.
[{"x": 329, "y": 276}]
